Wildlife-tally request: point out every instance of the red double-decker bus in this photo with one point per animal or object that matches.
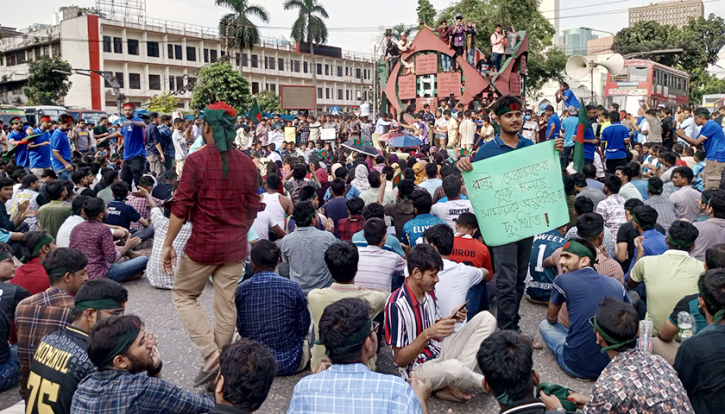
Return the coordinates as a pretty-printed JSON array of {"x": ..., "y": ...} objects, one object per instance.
[{"x": 643, "y": 80}]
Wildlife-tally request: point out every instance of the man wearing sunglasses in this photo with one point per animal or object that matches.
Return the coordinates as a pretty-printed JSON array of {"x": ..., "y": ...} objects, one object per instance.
[{"x": 582, "y": 289}]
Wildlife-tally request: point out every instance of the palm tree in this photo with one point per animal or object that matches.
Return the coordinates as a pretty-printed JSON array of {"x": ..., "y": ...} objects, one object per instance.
[
  {"x": 401, "y": 29},
  {"x": 239, "y": 31},
  {"x": 309, "y": 26}
]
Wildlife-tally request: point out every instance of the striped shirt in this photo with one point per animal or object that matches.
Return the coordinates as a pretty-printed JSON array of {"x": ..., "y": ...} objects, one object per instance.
[
  {"x": 666, "y": 213},
  {"x": 376, "y": 268},
  {"x": 405, "y": 319},
  {"x": 612, "y": 209}
]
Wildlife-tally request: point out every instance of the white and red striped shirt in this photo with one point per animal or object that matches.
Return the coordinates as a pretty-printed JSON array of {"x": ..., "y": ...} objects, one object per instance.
[{"x": 376, "y": 268}]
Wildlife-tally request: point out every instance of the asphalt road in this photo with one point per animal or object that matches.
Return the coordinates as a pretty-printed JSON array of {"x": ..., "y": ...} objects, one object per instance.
[{"x": 182, "y": 360}]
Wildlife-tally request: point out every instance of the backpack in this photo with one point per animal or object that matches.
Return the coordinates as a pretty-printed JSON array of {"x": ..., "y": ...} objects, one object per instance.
[{"x": 297, "y": 186}]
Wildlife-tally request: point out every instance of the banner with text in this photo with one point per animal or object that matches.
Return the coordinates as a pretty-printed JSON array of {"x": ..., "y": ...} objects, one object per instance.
[{"x": 518, "y": 194}]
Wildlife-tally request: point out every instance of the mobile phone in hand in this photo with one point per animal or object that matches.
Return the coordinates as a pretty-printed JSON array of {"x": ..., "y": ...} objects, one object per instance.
[{"x": 458, "y": 309}]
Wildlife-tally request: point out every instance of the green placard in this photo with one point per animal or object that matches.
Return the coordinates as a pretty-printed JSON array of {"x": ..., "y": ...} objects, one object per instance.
[{"x": 518, "y": 194}]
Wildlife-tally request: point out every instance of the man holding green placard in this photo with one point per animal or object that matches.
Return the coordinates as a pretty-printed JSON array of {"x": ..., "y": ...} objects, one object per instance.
[{"x": 512, "y": 259}]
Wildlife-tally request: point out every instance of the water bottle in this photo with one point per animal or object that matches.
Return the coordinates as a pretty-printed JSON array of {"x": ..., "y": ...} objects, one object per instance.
[
  {"x": 685, "y": 322},
  {"x": 645, "y": 336}
]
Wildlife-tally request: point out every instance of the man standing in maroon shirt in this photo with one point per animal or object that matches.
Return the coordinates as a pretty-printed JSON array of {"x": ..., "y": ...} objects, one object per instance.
[{"x": 218, "y": 195}]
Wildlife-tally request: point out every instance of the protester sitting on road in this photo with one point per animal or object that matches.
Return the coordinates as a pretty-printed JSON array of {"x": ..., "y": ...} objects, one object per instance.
[
  {"x": 378, "y": 268},
  {"x": 129, "y": 374}
]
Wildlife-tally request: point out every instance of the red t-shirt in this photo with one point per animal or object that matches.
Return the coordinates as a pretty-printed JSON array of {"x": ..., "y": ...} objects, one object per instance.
[
  {"x": 470, "y": 251},
  {"x": 32, "y": 277}
]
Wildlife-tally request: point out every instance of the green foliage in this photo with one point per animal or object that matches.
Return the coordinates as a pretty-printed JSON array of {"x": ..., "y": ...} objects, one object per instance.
[
  {"x": 426, "y": 13},
  {"x": 701, "y": 39},
  {"x": 543, "y": 64},
  {"x": 164, "y": 103},
  {"x": 45, "y": 86},
  {"x": 309, "y": 25},
  {"x": 268, "y": 102},
  {"x": 219, "y": 82},
  {"x": 242, "y": 33},
  {"x": 401, "y": 29}
]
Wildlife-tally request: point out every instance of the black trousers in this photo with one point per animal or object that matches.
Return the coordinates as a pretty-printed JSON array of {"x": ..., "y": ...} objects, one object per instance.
[{"x": 132, "y": 170}]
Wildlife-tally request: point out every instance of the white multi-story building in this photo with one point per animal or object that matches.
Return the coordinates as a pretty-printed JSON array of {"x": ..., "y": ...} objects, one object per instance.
[
  {"x": 155, "y": 56},
  {"x": 676, "y": 13}
]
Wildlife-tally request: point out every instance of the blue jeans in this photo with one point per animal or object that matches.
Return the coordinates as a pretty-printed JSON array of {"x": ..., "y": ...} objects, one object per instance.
[
  {"x": 122, "y": 271},
  {"x": 145, "y": 233},
  {"x": 477, "y": 298},
  {"x": 63, "y": 174},
  {"x": 471, "y": 57},
  {"x": 555, "y": 338},
  {"x": 446, "y": 62},
  {"x": 496, "y": 61},
  {"x": 566, "y": 155},
  {"x": 10, "y": 371}
]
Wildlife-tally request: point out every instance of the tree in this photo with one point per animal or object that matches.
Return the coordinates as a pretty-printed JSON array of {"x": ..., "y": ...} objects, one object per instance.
[
  {"x": 44, "y": 86},
  {"x": 164, "y": 103},
  {"x": 426, "y": 13},
  {"x": 309, "y": 25},
  {"x": 268, "y": 102},
  {"x": 521, "y": 15},
  {"x": 401, "y": 29},
  {"x": 219, "y": 82},
  {"x": 539, "y": 71},
  {"x": 239, "y": 32},
  {"x": 700, "y": 39}
]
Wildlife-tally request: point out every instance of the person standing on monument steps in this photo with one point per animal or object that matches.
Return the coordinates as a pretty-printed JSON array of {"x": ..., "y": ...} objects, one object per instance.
[
  {"x": 512, "y": 260},
  {"x": 218, "y": 195}
]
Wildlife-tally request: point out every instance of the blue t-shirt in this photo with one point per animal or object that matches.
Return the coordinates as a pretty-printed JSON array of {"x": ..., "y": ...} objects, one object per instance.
[
  {"x": 133, "y": 145},
  {"x": 391, "y": 243},
  {"x": 641, "y": 186},
  {"x": 570, "y": 125},
  {"x": 544, "y": 246},
  {"x": 40, "y": 156},
  {"x": 352, "y": 192},
  {"x": 59, "y": 142},
  {"x": 336, "y": 209},
  {"x": 556, "y": 122},
  {"x": 654, "y": 243},
  {"x": 697, "y": 170},
  {"x": 413, "y": 229},
  {"x": 121, "y": 214},
  {"x": 571, "y": 99},
  {"x": 614, "y": 135},
  {"x": 152, "y": 137},
  {"x": 497, "y": 147},
  {"x": 715, "y": 142},
  {"x": 21, "y": 153},
  {"x": 583, "y": 290},
  {"x": 589, "y": 149}
]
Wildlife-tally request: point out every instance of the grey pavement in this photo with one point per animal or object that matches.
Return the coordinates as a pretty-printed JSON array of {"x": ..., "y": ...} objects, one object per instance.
[{"x": 182, "y": 360}]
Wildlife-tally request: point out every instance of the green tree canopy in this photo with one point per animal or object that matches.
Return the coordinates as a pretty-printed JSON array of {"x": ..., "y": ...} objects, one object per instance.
[
  {"x": 268, "y": 102},
  {"x": 700, "y": 39},
  {"x": 401, "y": 29},
  {"x": 426, "y": 13},
  {"x": 45, "y": 86},
  {"x": 219, "y": 82},
  {"x": 243, "y": 34},
  {"x": 163, "y": 103}
]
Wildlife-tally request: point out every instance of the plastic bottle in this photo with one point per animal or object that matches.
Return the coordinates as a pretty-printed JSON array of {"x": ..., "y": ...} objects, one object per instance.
[
  {"x": 685, "y": 322},
  {"x": 645, "y": 336}
]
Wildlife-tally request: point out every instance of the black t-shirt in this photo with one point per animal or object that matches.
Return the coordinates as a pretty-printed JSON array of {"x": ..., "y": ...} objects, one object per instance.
[
  {"x": 10, "y": 296},
  {"x": 59, "y": 364},
  {"x": 627, "y": 234},
  {"x": 162, "y": 191}
]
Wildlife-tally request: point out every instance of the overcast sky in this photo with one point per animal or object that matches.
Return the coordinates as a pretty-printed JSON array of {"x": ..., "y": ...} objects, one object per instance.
[{"x": 352, "y": 23}]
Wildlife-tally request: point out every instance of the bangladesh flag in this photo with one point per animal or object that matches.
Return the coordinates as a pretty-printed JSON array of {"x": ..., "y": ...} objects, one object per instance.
[
  {"x": 397, "y": 179},
  {"x": 255, "y": 114},
  {"x": 584, "y": 123},
  {"x": 13, "y": 148}
]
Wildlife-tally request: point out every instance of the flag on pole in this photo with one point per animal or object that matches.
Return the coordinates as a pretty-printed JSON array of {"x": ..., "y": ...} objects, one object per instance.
[
  {"x": 582, "y": 126},
  {"x": 255, "y": 114},
  {"x": 13, "y": 148}
]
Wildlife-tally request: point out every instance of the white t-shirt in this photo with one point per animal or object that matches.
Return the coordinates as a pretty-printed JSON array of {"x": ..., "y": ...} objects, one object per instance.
[
  {"x": 455, "y": 281},
  {"x": 63, "y": 239},
  {"x": 450, "y": 210},
  {"x": 181, "y": 150},
  {"x": 262, "y": 225},
  {"x": 274, "y": 156}
]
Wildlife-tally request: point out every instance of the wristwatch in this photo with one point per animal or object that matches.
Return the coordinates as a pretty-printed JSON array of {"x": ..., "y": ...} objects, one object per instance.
[{"x": 560, "y": 409}]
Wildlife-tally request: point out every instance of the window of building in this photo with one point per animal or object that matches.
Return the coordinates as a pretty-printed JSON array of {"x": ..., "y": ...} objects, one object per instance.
[
  {"x": 133, "y": 47},
  {"x": 255, "y": 61},
  {"x": 152, "y": 49},
  {"x": 327, "y": 93},
  {"x": 192, "y": 81},
  {"x": 45, "y": 50},
  {"x": 319, "y": 93},
  {"x": 319, "y": 68},
  {"x": 297, "y": 66},
  {"x": 206, "y": 55},
  {"x": 134, "y": 80},
  {"x": 305, "y": 67},
  {"x": 117, "y": 45},
  {"x": 37, "y": 52},
  {"x": 365, "y": 95},
  {"x": 327, "y": 70},
  {"x": 280, "y": 64},
  {"x": 245, "y": 60},
  {"x": 178, "y": 53},
  {"x": 191, "y": 53},
  {"x": 339, "y": 94},
  {"x": 347, "y": 94},
  {"x": 223, "y": 53},
  {"x": 270, "y": 63},
  {"x": 271, "y": 87},
  {"x": 339, "y": 71},
  {"x": 172, "y": 84},
  {"x": 170, "y": 51},
  {"x": 357, "y": 73},
  {"x": 155, "y": 82},
  {"x": 255, "y": 87},
  {"x": 213, "y": 55},
  {"x": 119, "y": 80},
  {"x": 347, "y": 71},
  {"x": 237, "y": 59},
  {"x": 107, "y": 44},
  {"x": 179, "y": 82}
]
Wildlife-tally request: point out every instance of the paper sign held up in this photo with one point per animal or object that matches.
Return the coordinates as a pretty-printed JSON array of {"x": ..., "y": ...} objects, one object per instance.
[
  {"x": 327, "y": 134},
  {"x": 290, "y": 134},
  {"x": 518, "y": 194}
]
